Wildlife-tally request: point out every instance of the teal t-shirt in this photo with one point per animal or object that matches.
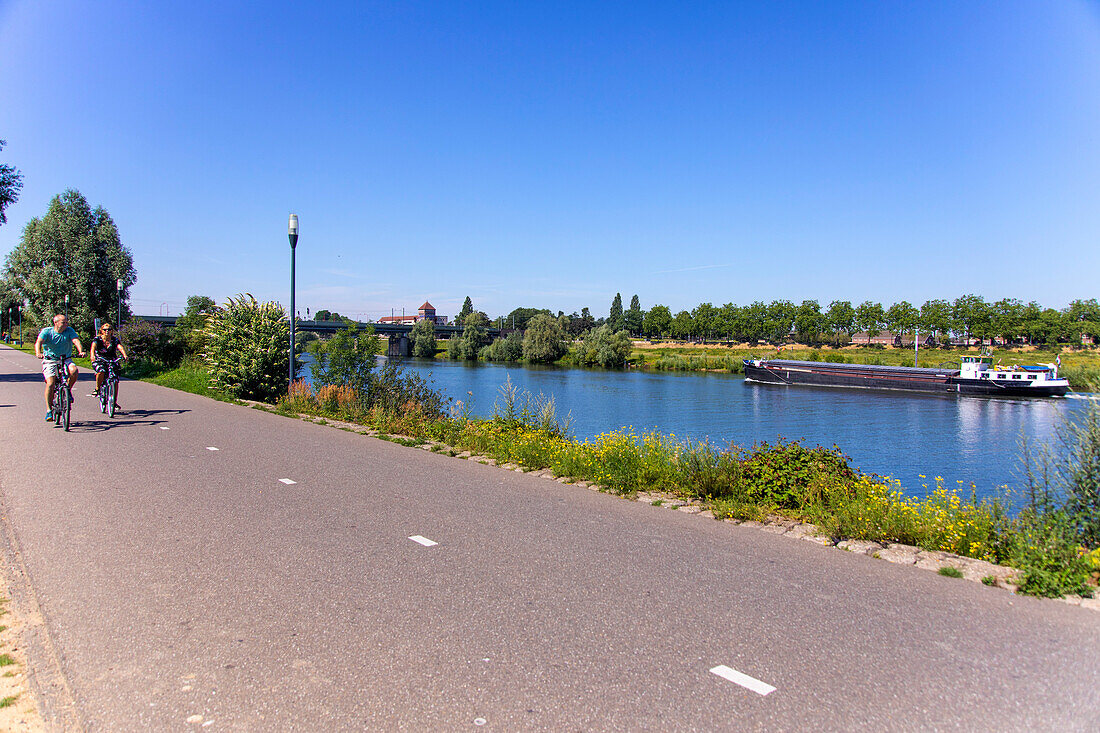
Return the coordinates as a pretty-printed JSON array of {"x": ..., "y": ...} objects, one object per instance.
[{"x": 56, "y": 345}]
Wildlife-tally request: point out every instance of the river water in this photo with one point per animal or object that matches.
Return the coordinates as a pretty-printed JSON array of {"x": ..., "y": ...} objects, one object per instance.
[{"x": 969, "y": 439}]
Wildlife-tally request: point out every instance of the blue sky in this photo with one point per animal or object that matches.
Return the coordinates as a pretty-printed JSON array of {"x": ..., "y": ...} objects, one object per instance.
[{"x": 553, "y": 154}]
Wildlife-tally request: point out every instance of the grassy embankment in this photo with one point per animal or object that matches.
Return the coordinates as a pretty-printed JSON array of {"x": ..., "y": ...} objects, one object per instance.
[{"x": 1080, "y": 366}]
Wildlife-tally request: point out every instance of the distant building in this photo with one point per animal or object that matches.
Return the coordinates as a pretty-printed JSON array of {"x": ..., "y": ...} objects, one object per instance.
[{"x": 426, "y": 312}]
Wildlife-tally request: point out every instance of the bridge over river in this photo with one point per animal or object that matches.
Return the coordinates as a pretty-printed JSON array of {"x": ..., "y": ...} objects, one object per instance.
[{"x": 397, "y": 334}]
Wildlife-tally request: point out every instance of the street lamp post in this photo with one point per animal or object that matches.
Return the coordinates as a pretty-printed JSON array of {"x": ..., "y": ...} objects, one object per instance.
[
  {"x": 66, "y": 306},
  {"x": 292, "y": 233},
  {"x": 21, "y": 307},
  {"x": 118, "y": 286}
]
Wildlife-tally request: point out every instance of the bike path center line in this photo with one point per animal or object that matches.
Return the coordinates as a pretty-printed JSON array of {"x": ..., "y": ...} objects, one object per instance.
[
  {"x": 738, "y": 678},
  {"x": 210, "y": 447},
  {"x": 287, "y": 481},
  {"x": 162, "y": 427},
  {"x": 422, "y": 540}
]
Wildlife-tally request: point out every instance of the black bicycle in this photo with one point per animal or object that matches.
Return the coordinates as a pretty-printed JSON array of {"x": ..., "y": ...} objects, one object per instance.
[
  {"x": 62, "y": 397},
  {"x": 108, "y": 395}
]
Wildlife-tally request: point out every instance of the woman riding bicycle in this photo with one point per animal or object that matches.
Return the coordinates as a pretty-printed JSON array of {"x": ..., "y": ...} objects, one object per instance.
[
  {"x": 105, "y": 346},
  {"x": 54, "y": 346}
]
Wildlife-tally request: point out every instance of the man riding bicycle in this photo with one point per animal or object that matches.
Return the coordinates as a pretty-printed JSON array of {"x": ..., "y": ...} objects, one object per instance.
[
  {"x": 105, "y": 347},
  {"x": 53, "y": 346}
]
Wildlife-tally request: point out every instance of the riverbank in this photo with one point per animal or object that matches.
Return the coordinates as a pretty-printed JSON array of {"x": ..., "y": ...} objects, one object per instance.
[
  {"x": 784, "y": 482},
  {"x": 1081, "y": 367}
]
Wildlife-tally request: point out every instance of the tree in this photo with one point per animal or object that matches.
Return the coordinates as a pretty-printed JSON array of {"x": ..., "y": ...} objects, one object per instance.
[
  {"x": 902, "y": 318},
  {"x": 870, "y": 318},
  {"x": 326, "y": 315},
  {"x": 248, "y": 345},
  {"x": 779, "y": 320},
  {"x": 475, "y": 334},
  {"x": 841, "y": 318},
  {"x": 935, "y": 317},
  {"x": 520, "y": 316},
  {"x": 603, "y": 347},
  {"x": 633, "y": 317},
  {"x": 580, "y": 324},
  {"x": 615, "y": 318},
  {"x": 753, "y": 319},
  {"x": 702, "y": 318},
  {"x": 508, "y": 348},
  {"x": 657, "y": 322},
  {"x": 1007, "y": 317},
  {"x": 972, "y": 314},
  {"x": 682, "y": 325},
  {"x": 544, "y": 340},
  {"x": 190, "y": 327},
  {"x": 808, "y": 322},
  {"x": 1084, "y": 317},
  {"x": 467, "y": 309},
  {"x": 423, "y": 338},
  {"x": 11, "y": 182},
  {"x": 347, "y": 359},
  {"x": 72, "y": 251}
]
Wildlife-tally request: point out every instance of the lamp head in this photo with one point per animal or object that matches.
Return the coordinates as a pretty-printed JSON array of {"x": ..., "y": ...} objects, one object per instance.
[{"x": 292, "y": 230}]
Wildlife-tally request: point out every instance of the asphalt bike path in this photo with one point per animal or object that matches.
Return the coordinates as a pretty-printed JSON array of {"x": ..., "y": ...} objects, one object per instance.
[{"x": 200, "y": 565}]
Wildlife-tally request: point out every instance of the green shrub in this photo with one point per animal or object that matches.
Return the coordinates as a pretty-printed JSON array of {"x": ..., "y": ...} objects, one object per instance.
[
  {"x": 604, "y": 347},
  {"x": 248, "y": 346},
  {"x": 779, "y": 475},
  {"x": 345, "y": 360},
  {"x": 508, "y": 348}
]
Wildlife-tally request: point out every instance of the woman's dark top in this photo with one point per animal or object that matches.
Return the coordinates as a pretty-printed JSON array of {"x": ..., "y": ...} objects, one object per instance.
[{"x": 105, "y": 351}]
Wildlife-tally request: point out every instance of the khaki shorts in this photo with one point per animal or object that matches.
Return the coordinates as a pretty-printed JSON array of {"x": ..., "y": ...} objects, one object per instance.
[{"x": 52, "y": 368}]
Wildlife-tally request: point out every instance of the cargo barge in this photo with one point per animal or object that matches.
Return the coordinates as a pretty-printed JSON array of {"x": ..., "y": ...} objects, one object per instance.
[{"x": 977, "y": 375}]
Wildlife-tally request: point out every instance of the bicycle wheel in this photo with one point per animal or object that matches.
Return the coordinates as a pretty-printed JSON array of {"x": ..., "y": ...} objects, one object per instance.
[
  {"x": 112, "y": 388},
  {"x": 57, "y": 406},
  {"x": 102, "y": 401},
  {"x": 66, "y": 406}
]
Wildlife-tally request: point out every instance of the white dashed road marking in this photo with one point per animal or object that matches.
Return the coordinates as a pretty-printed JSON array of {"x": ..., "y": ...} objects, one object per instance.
[
  {"x": 210, "y": 447},
  {"x": 422, "y": 540},
  {"x": 749, "y": 683},
  {"x": 163, "y": 428},
  {"x": 287, "y": 481}
]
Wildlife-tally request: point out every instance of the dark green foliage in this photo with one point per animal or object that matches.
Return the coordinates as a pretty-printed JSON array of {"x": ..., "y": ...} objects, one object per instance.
[
  {"x": 345, "y": 360},
  {"x": 467, "y": 309},
  {"x": 711, "y": 472},
  {"x": 633, "y": 317},
  {"x": 1045, "y": 548},
  {"x": 150, "y": 342},
  {"x": 248, "y": 345},
  {"x": 423, "y": 338},
  {"x": 603, "y": 347},
  {"x": 544, "y": 340},
  {"x": 189, "y": 331},
  {"x": 327, "y": 315},
  {"x": 475, "y": 334},
  {"x": 11, "y": 182},
  {"x": 76, "y": 251},
  {"x": 393, "y": 391},
  {"x": 615, "y": 318},
  {"x": 519, "y": 318},
  {"x": 657, "y": 322},
  {"x": 779, "y": 474},
  {"x": 507, "y": 348}
]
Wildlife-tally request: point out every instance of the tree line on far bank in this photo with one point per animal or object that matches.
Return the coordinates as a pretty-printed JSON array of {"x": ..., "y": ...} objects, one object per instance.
[{"x": 967, "y": 317}]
